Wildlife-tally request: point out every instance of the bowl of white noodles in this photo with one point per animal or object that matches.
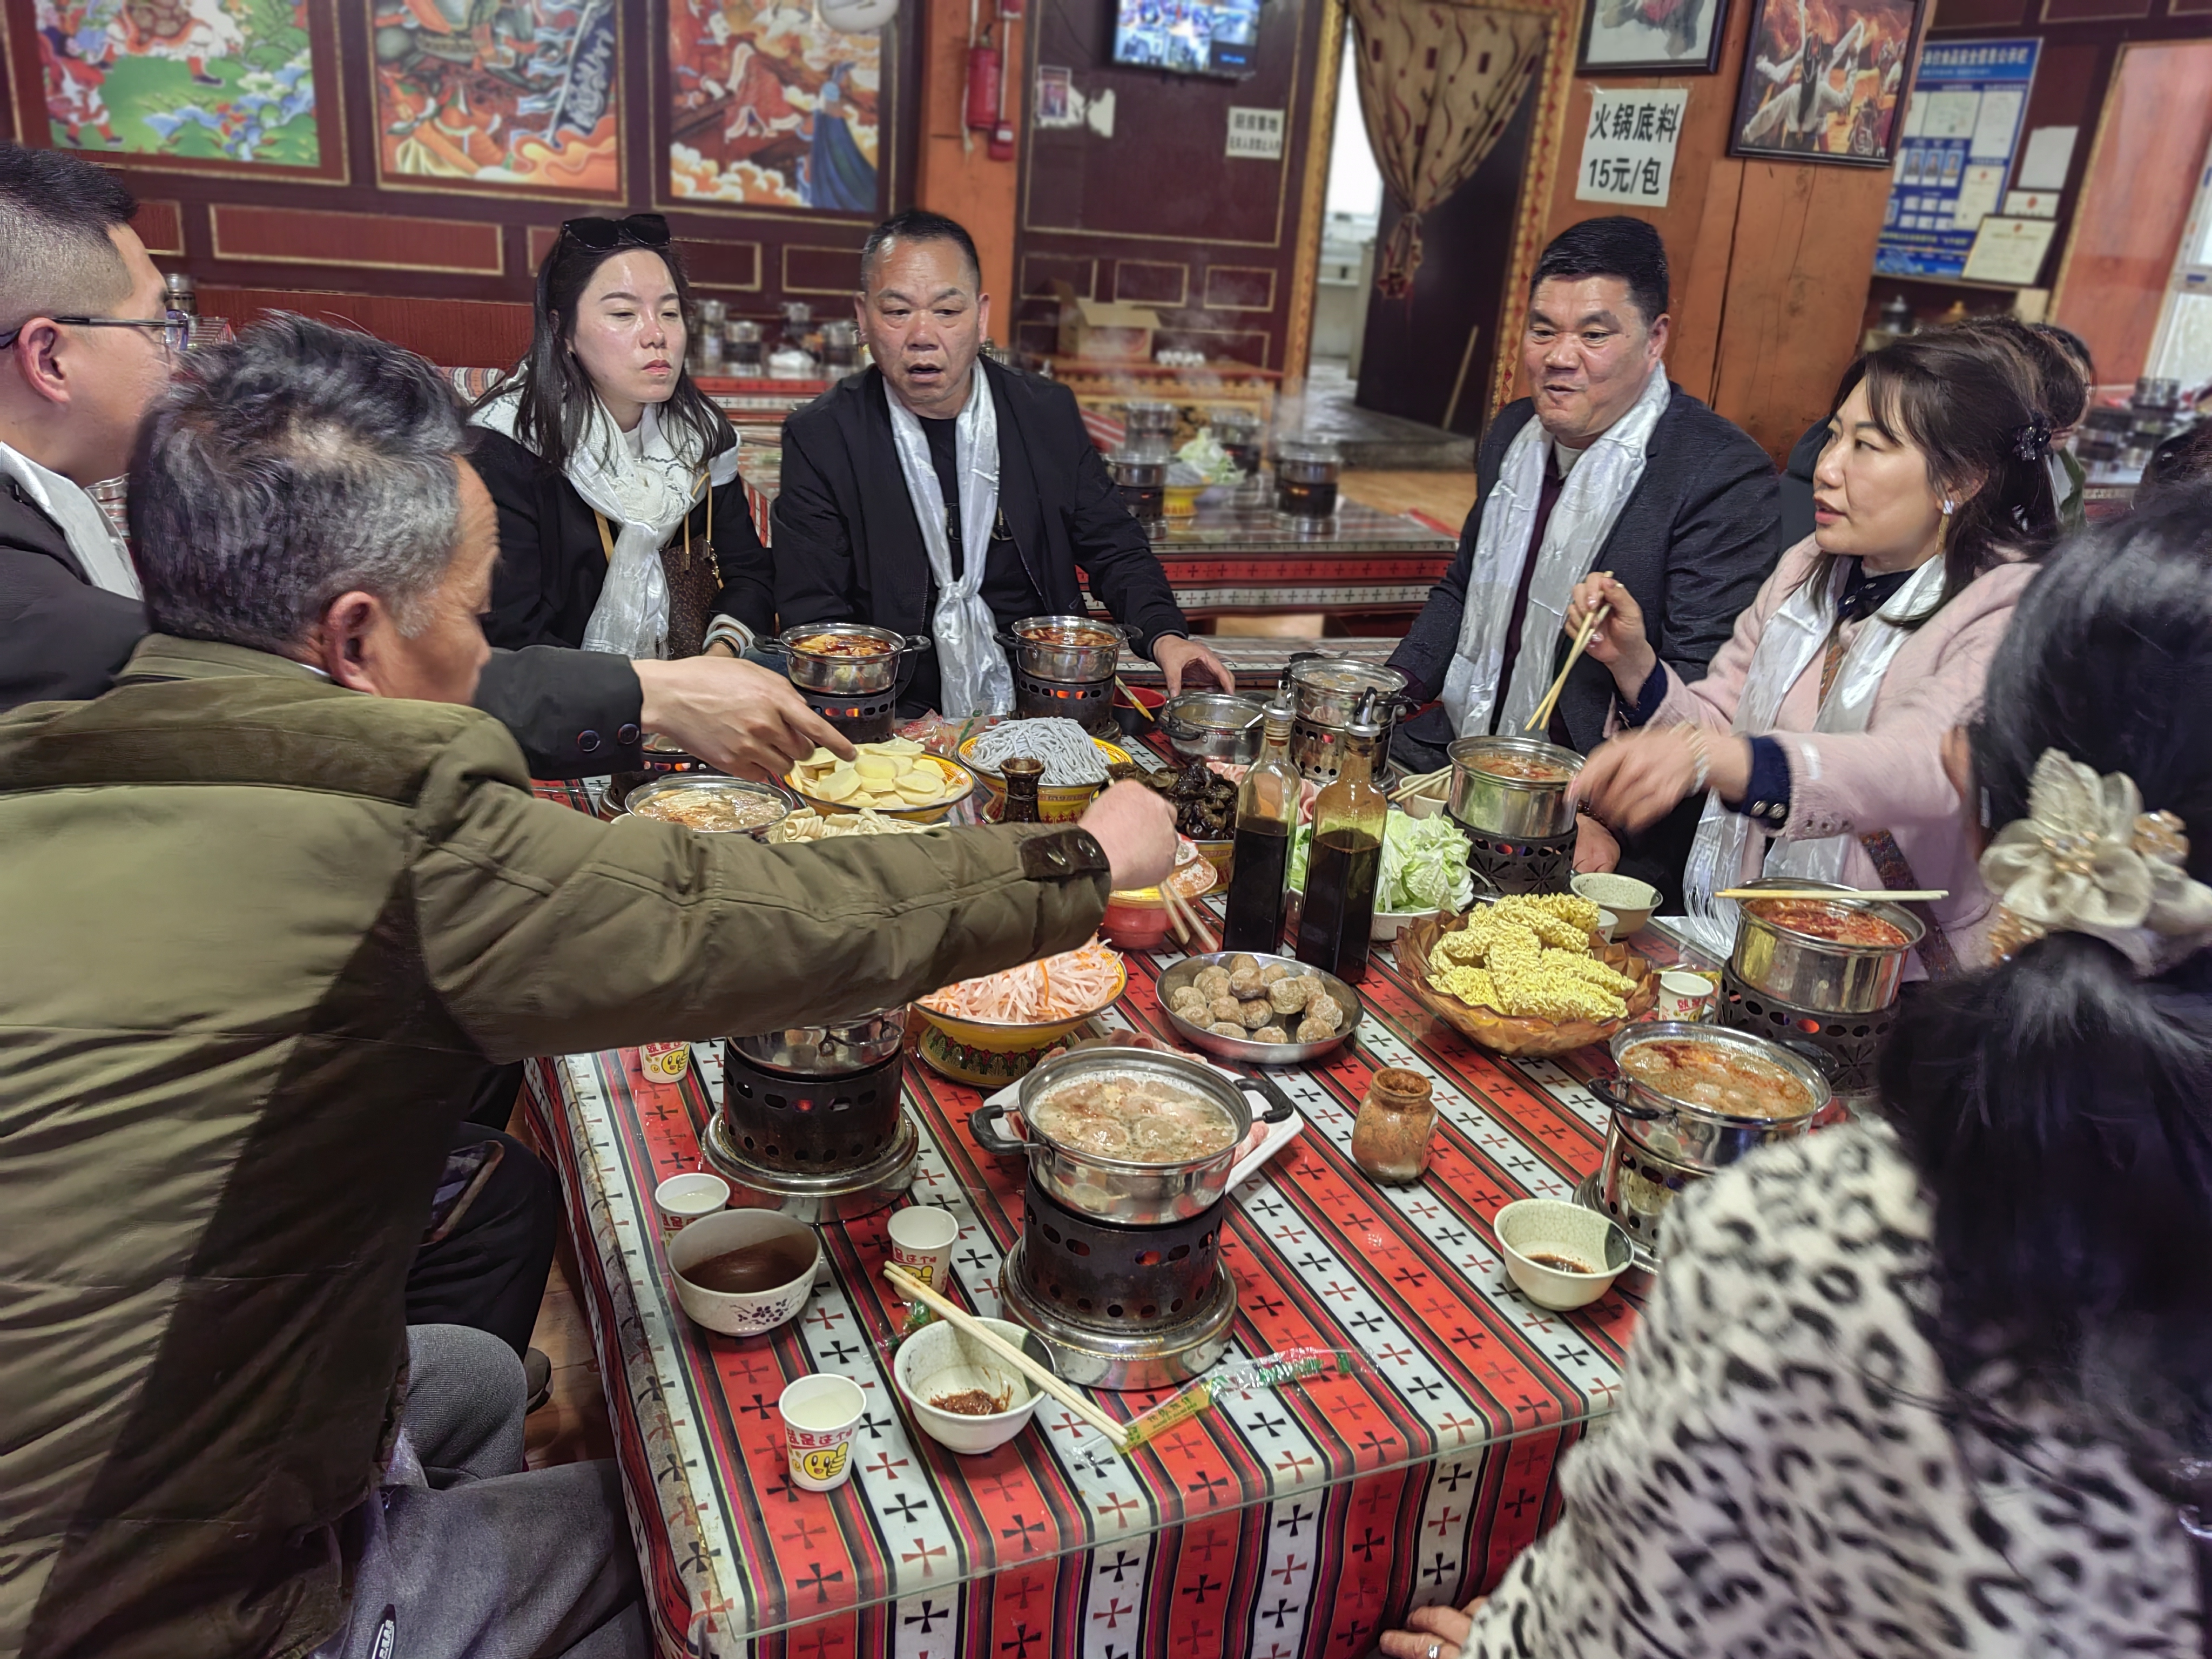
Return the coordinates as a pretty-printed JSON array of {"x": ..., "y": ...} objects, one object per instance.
[{"x": 1074, "y": 764}]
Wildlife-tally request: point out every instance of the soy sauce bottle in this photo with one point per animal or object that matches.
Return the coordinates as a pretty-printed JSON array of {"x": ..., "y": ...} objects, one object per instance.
[
  {"x": 1021, "y": 774},
  {"x": 1267, "y": 813},
  {"x": 1346, "y": 857}
]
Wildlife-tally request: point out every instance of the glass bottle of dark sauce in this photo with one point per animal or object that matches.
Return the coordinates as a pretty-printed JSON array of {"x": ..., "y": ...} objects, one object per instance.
[
  {"x": 1021, "y": 774},
  {"x": 1346, "y": 857},
  {"x": 1267, "y": 813}
]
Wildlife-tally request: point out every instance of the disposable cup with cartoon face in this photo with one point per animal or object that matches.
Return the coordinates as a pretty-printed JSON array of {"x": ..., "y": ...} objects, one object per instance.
[{"x": 820, "y": 1413}]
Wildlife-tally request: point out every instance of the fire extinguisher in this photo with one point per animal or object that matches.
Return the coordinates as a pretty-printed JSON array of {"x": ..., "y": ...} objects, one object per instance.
[{"x": 984, "y": 82}]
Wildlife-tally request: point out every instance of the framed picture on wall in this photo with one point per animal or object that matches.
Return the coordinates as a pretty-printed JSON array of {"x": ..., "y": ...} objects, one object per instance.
[
  {"x": 1825, "y": 79},
  {"x": 1652, "y": 37},
  {"x": 773, "y": 105},
  {"x": 526, "y": 98},
  {"x": 238, "y": 86}
]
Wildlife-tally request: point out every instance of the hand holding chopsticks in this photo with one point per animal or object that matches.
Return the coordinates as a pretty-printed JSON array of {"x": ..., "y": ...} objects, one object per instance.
[
  {"x": 1591, "y": 623},
  {"x": 958, "y": 1317}
]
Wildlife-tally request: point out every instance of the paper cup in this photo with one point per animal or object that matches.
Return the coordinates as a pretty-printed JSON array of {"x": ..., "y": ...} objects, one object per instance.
[
  {"x": 665, "y": 1062},
  {"x": 1685, "y": 996},
  {"x": 922, "y": 1236},
  {"x": 820, "y": 1413},
  {"x": 685, "y": 1198}
]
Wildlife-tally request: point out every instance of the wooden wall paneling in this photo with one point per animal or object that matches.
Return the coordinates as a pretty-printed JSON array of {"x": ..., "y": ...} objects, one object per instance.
[
  {"x": 1240, "y": 287},
  {"x": 355, "y": 241},
  {"x": 1701, "y": 307},
  {"x": 1803, "y": 234},
  {"x": 458, "y": 333},
  {"x": 956, "y": 174},
  {"x": 160, "y": 226},
  {"x": 1313, "y": 191},
  {"x": 1041, "y": 270},
  {"x": 2156, "y": 123},
  {"x": 1157, "y": 205}
]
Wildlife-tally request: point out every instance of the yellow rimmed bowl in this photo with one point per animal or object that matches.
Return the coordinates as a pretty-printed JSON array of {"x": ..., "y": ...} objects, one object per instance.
[
  {"x": 991, "y": 1055},
  {"x": 959, "y": 784},
  {"x": 1057, "y": 802}
]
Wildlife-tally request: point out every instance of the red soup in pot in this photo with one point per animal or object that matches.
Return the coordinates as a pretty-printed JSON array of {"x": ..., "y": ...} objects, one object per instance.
[
  {"x": 1838, "y": 924},
  {"x": 1719, "y": 1077}
]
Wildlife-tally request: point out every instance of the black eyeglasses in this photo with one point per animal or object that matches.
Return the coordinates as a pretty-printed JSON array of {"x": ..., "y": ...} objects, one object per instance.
[
  {"x": 639, "y": 230},
  {"x": 176, "y": 328}
]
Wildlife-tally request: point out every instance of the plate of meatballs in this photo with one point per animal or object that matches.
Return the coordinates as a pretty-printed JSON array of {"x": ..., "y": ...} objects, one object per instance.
[{"x": 1263, "y": 1010}]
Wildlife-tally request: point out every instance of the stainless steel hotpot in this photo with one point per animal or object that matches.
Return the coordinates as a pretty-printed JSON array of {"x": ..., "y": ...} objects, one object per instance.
[
  {"x": 1118, "y": 1189},
  {"x": 837, "y": 1050},
  {"x": 1697, "y": 1136},
  {"x": 843, "y": 676},
  {"x": 1512, "y": 809},
  {"x": 1818, "y": 973},
  {"x": 1080, "y": 664}
]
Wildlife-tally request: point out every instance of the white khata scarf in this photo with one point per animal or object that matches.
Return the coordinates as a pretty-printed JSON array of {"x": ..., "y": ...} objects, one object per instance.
[
  {"x": 647, "y": 496},
  {"x": 1590, "y": 501},
  {"x": 1794, "y": 637},
  {"x": 972, "y": 668},
  {"x": 92, "y": 540}
]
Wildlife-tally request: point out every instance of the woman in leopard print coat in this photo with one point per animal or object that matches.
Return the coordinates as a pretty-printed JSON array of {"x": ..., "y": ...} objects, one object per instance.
[{"x": 1917, "y": 1389}]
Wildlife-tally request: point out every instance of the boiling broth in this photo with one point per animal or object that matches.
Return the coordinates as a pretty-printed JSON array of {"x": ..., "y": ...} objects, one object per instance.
[
  {"x": 768, "y": 1264},
  {"x": 1717, "y": 1076},
  {"x": 1135, "y": 1119}
]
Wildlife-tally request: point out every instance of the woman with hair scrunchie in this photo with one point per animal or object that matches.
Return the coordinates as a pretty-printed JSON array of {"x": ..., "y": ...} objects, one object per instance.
[
  {"x": 1815, "y": 736},
  {"x": 1942, "y": 1383}
]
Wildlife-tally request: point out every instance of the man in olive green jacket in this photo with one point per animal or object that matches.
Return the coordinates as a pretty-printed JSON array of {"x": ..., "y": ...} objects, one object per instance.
[{"x": 275, "y": 902}]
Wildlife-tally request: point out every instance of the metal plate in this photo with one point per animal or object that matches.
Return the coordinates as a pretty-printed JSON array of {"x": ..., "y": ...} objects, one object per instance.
[{"x": 1239, "y": 1049}]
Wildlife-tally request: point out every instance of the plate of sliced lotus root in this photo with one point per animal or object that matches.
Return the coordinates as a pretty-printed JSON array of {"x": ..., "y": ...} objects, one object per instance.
[
  {"x": 896, "y": 777},
  {"x": 1263, "y": 1009}
]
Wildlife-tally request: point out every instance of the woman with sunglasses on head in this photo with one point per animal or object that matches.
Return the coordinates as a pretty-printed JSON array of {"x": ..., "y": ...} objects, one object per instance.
[
  {"x": 1815, "y": 738},
  {"x": 623, "y": 525},
  {"x": 1943, "y": 1384}
]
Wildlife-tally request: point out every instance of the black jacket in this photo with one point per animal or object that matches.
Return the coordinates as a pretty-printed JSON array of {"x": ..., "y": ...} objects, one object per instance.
[
  {"x": 552, "y": 564},
  {"x": 847, "y": 547},
  {"x": 1695, "y": 539},
  {"x": 62, "y": 640}
]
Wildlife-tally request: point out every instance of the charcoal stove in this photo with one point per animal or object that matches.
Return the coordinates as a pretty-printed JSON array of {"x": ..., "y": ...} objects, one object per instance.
[
  {"x": 1538, "y": 864},
  {"x": 868, "y": 718},
  {"x": 1063, "y": 668},
  {"x": 812, "y": 1122},
  {"x": 1120, "y": 1307}
]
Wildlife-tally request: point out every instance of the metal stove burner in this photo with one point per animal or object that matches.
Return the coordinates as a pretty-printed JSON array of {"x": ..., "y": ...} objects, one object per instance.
[
  {"x": 1120, "y": 1307},
  {"x": 830, "y": 1196},
  {"x": 863, "y": 719},
  {"x": 1087, "y": 703},
  {"x": 1520, "y": 867},
  {"x": 1642, "y": 1251},
  {"x": 820, "y": 1147},
  {"x": 1844, "y": 1045}
]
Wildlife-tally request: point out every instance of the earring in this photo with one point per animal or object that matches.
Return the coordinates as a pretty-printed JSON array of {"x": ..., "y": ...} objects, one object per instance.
[{"x": 1949, "y": 506}]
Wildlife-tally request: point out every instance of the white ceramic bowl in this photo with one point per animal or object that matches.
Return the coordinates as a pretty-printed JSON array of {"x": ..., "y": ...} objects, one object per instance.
[
  {"x": 940, "y": 1359},
  {"x": 740, "y": 1313},
  {"x": 1552, "y": 1227},
  {"x": 1631, "y": 901},
  {"x": 1423, "y": 806},
  {"x": 1389, "y": 924}
]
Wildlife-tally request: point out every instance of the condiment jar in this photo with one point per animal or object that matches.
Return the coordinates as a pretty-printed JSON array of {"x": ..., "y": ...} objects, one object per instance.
[{"x": 1397, "y": 1119}]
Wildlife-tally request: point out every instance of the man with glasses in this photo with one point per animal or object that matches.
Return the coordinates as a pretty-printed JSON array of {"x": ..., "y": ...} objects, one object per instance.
[
  {"x": 1606, "y": 465},
  {"x": 86, "y": 342}
]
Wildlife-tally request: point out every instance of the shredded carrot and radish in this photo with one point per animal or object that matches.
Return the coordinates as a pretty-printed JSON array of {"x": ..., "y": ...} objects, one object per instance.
[{"x": 1074, "y": 982}]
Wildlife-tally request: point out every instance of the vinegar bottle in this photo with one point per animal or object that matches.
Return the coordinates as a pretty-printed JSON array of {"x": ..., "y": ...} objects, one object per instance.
[
  {"x": 1346, "y": 857},
  {"x": 1267, "y": 814}
]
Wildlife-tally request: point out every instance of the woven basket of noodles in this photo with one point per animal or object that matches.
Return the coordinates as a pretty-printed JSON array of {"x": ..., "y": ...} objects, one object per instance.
[{"x": 1524, "y": 1036}]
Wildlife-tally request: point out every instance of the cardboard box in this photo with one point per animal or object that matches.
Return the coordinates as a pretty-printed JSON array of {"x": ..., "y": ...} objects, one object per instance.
[{"x": 1104, "y": 331}]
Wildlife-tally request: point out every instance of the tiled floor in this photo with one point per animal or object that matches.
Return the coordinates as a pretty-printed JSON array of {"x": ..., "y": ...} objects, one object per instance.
[
  {"x": 1368, "y": 438},
  {"x": 1443, "y": 496}
]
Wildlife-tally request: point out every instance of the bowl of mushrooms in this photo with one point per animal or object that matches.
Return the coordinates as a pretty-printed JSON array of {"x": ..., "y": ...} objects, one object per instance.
[{"x": 1260, "y": 1009}]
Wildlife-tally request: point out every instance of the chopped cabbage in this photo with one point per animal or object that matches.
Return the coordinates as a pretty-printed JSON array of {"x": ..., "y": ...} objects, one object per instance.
[{"x": 1423, "y": 864}]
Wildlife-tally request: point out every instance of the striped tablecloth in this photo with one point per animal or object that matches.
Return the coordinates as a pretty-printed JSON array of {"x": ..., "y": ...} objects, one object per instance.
[{"x": 1290, "y": 1524}]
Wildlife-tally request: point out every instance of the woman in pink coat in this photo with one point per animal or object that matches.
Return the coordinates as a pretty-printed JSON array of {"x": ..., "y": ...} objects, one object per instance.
[{"x": 1817, "y": 735}]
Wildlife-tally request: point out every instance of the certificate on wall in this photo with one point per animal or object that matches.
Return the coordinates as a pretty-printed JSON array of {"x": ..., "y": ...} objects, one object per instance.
[
  {"x": 2009, "y": 251},
  {"x": 1955, "y": 154}
]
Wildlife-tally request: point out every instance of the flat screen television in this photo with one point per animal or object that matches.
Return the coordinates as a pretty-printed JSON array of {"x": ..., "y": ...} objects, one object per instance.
[{"x": 1189, "y": 37}]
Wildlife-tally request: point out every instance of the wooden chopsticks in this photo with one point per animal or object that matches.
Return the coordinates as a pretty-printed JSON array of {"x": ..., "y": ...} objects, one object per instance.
[
  {"x": 1124, "y": 690},
  {"x": 1183, "y": 917},
  {"x": 1420, "y": 783},
  {"x": 1591, "y": 623},
  {"x": 1912, "y": 895},
  {"x": 953, "y": 1313}
]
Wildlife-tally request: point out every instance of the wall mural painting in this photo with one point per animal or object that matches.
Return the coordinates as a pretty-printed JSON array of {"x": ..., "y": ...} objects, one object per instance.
[
  {"x": 194, "y": 80},
  {"x": 773, "y": 107},
  {"x": 1824, "y": 80},
  {"x": 498, "y": 92}
]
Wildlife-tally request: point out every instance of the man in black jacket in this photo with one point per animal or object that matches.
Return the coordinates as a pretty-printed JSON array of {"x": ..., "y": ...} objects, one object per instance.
[
  {"x": 73, "y": 389},
  {"x": 881, "y": 507},
  {"x": 1607, "y": 466}
]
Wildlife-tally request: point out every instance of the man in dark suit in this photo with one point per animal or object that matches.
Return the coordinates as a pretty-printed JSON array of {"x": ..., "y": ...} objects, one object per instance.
[
  {"x": 73, "y": 389},
  {"x": 865, "y": 533},
  {"x": 1608, "y": 465}
]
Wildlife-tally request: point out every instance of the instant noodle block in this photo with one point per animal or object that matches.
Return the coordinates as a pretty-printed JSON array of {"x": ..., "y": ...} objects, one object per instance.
[{"x": 1527, "y": 976}]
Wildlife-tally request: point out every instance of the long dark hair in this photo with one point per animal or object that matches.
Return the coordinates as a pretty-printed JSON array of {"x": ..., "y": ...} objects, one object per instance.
[
  {"x": 1967, "y": 399},
  {"x": 556, "y": 394},
  {"x": 2059, "y": 1108}
]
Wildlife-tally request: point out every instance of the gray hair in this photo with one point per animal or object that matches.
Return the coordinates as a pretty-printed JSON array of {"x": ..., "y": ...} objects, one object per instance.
[{"x": 301, "y": 463}]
